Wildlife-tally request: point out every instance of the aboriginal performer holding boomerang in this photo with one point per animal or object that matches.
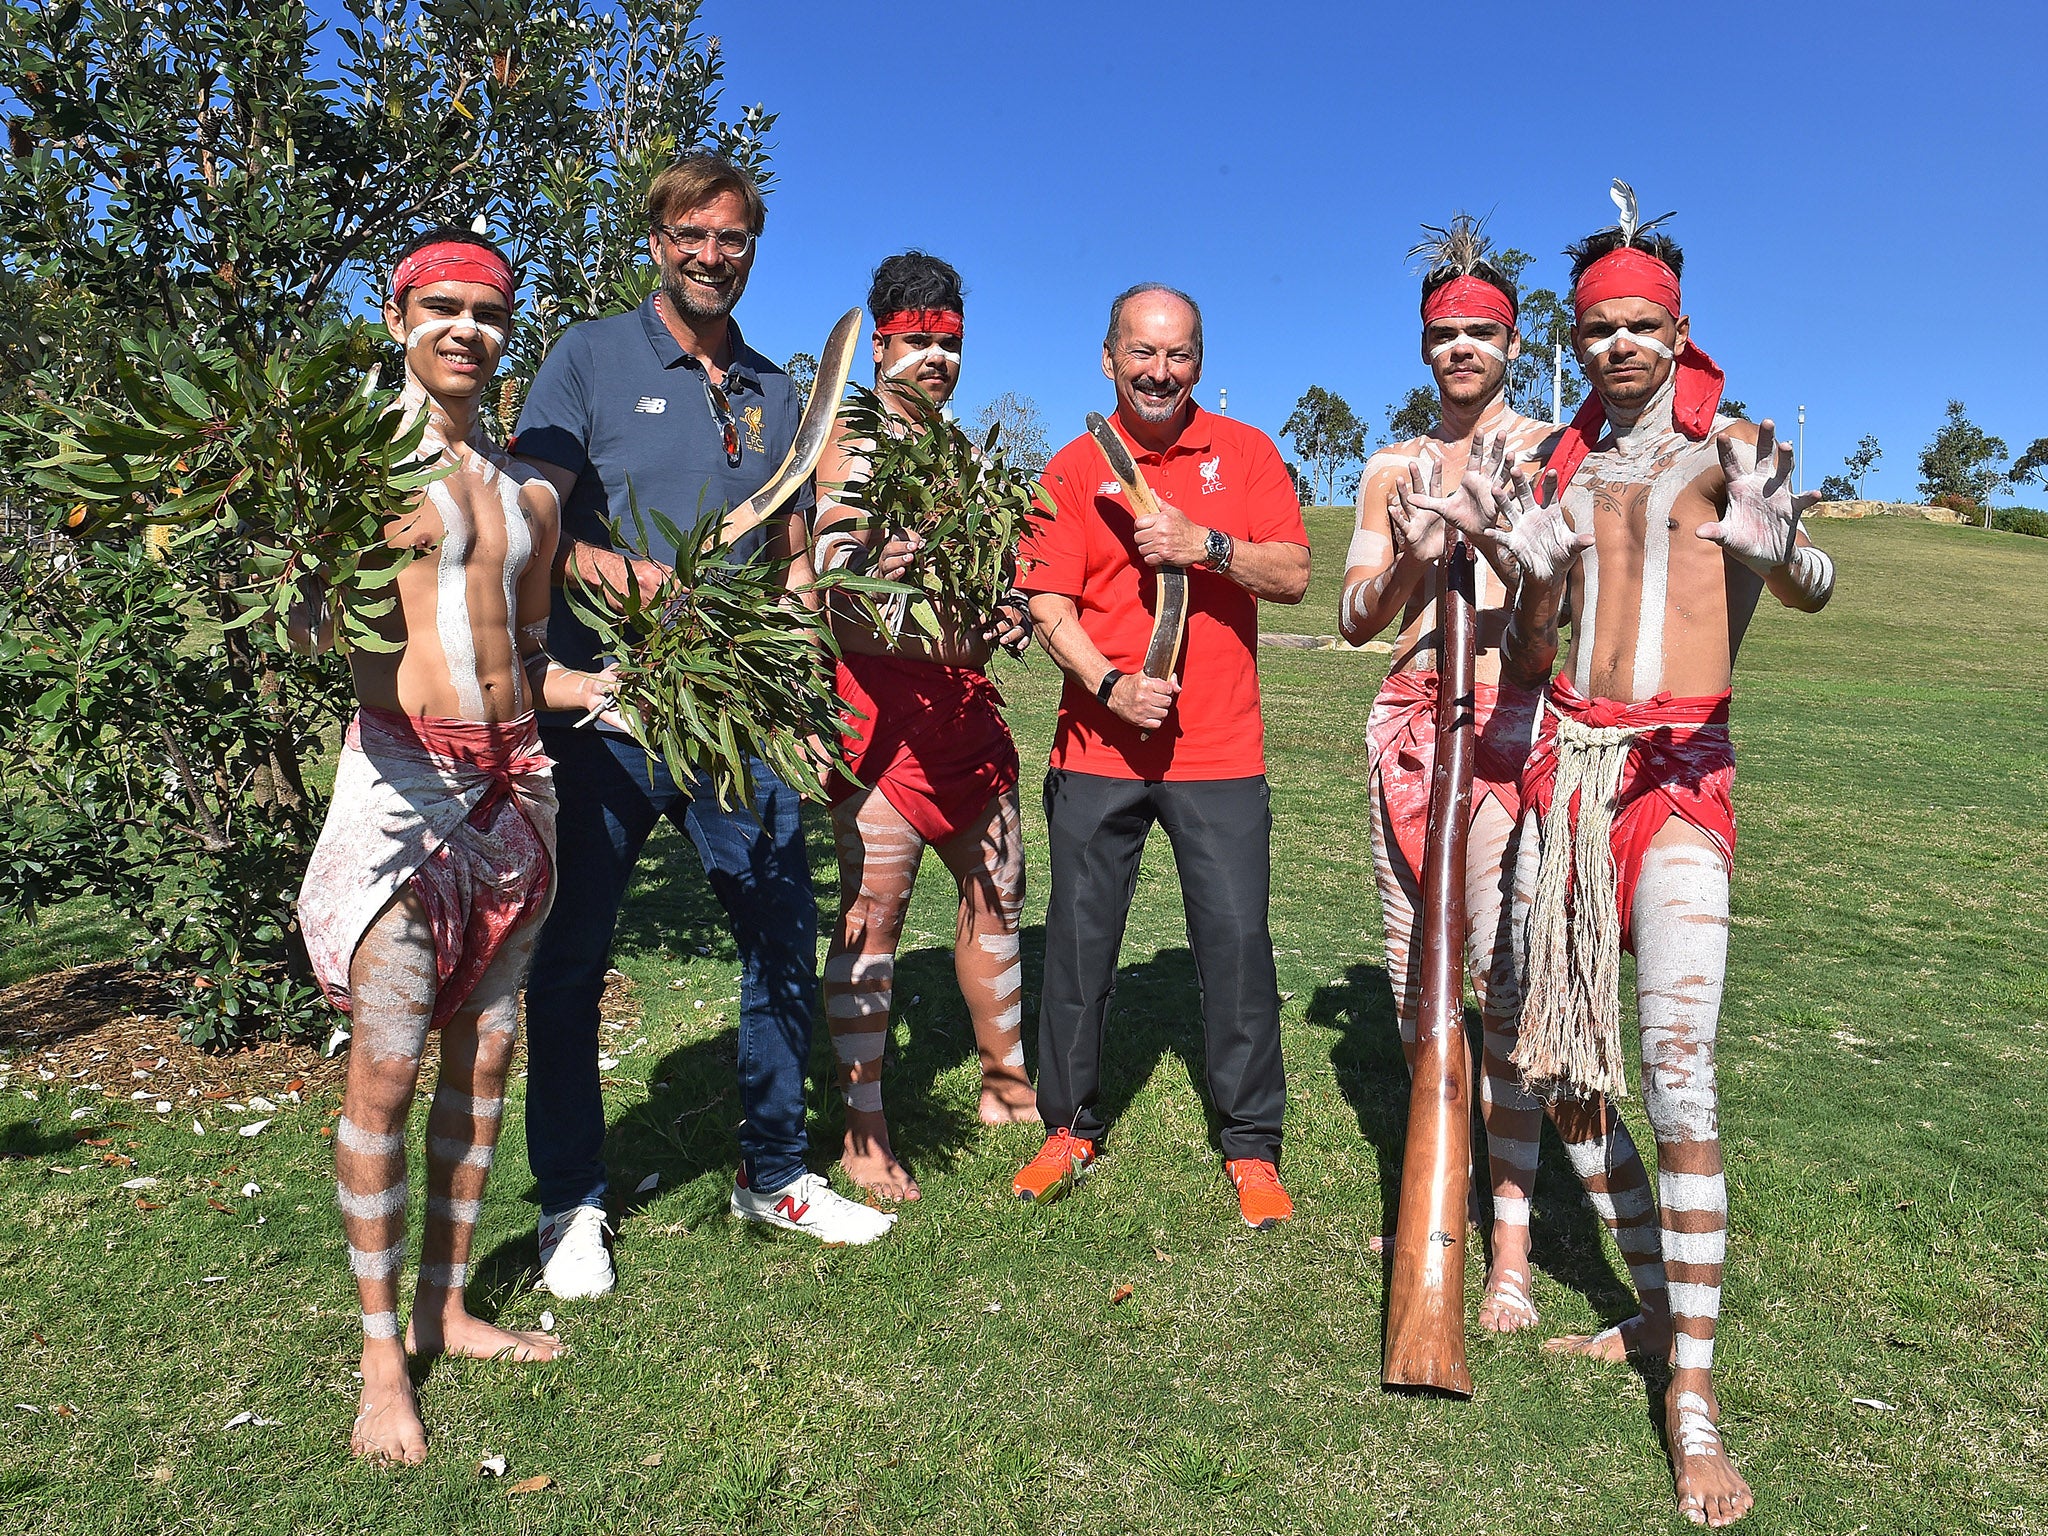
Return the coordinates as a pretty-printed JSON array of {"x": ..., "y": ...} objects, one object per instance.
[
  {"x": 667, "y": 403},
  {"x": 1673, "y": 521},
  {"x": 932, "y": 765},
  {"x": 1468, "y": 339},
  {"x": 1167, "y": 516}
]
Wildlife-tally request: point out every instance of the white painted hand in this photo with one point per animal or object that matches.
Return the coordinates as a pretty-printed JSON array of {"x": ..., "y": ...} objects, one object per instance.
[
  {"x": 1416, "y": 513},
  {"x": 1475, "y": 508},
  {"x": 1538, "y": 543},
  {"x": 1760, "y": 523}
]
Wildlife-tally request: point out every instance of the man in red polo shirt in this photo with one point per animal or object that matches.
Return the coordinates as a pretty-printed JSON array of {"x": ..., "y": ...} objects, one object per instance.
[{"x": 1186, "y": 750}]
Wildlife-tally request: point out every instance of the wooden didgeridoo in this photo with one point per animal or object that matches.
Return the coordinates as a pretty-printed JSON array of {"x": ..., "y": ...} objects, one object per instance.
[{"x": 1425, "y": 1344}]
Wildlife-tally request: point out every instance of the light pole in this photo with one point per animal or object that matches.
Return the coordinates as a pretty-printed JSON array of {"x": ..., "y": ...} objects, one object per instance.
[
  {"x": 1801, "y": 485},
  {"x": 1222, "y": 402}
]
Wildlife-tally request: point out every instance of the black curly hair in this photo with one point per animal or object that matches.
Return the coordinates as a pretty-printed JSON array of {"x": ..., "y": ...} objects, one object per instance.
[
  {"x": 914, "y": 280},
  {"x": 1589, "y": 250}
]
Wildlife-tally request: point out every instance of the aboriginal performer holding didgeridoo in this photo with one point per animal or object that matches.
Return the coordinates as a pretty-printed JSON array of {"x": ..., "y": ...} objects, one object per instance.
[
  {"x": 1186, "y": 749},
  {"x": 1469, "y": 337},
  {"x": 1673, "y": 521}
]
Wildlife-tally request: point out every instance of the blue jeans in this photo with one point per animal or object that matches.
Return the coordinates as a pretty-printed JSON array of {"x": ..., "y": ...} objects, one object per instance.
[{"x": 759, "y": 871}]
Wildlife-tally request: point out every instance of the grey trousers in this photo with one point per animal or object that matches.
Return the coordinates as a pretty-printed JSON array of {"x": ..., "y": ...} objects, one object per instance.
[{"x": 1221, "y": 831}]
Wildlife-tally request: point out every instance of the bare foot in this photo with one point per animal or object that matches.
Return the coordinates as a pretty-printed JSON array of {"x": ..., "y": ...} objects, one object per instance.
[
  {"x": 1008, "y": 1100},
  {"x": 452, "y": 1331},
  {"x": 388, "y": 1427},
  {"x": 1710, "y": 1490},
  {"x": 869, "y": 1162},
  {"x": 1637, "y": 1335},
  {"x": 1508, "y": 1307}
]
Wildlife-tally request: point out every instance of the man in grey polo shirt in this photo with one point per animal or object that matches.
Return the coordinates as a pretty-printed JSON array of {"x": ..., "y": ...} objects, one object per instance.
[{"x": 669, "y": 401}]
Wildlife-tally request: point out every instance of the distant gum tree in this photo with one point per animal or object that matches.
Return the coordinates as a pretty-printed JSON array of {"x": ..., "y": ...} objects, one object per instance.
[
  {"x": 1863, "y": 460},
  {"x": 1327, "y": 434},
  {"x": 1962, "y": 462},
  {"x": 1416, "y": 414},
  {"x": 1023, "y": 429}
]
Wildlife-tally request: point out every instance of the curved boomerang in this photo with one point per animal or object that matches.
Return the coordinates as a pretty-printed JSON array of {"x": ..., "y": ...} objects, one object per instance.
[
  {"x": 835, "y": 366},
  {"x": 1170, "y": 621}
]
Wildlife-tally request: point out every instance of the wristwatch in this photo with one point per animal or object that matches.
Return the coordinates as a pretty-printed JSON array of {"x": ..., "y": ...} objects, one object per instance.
[
  {"x": 1217, "y": 550},
  {"x": 1105, "y": 687}
]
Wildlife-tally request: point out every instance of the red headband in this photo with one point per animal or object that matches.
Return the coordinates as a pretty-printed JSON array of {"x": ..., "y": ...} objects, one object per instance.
[
  {"x": 452, "y": 261},
  {"x": 1629, "y": 273},
  {"x": 1468, "y": 298},
  {"x": 920, "y": 322}
]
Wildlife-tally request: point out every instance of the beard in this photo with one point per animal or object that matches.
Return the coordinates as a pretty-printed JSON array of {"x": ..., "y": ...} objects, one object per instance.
[
  {"x": 1154, "y": 411},
  {"x": 688, "y": 299}
]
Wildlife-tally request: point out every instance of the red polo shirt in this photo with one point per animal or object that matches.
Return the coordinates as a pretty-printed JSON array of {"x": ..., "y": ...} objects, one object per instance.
[{"x": 1218, "y": 474}]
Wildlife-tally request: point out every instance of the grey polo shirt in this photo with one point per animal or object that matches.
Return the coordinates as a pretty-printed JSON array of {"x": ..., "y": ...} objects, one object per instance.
[{"x": 620, "y": 404}]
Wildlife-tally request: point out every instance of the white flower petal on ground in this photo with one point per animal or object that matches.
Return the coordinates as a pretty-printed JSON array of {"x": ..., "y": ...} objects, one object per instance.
[
  {"x": 547, "y": 1322},
  {"x": 254, "y": 1127},
  {"x": 262, "y": 1106},
  {"x": 142, "y": 1183},
  {"x": 606, "y": 1063},
  {"x": 1875, "y": 1402},
  {"x": 251, "y": 1189},
  {"x": 646, "y": 1184},
  {"x": 491, "y": 1466}
]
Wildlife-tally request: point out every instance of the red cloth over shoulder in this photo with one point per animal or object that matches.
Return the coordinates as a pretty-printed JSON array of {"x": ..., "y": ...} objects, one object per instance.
[{"x": 1683, "y": 765}]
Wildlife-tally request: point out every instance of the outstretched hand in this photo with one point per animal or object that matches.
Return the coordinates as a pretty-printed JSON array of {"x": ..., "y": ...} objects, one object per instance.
[
  {"x": 1417, "y": 513},
  {"x": 1538, "y": 543},
  {"x": 1760, "y": 523}
]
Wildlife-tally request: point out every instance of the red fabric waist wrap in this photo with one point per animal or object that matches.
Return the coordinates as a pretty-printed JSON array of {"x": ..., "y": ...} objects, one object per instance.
[
  {"x": 491, "y": 877},
  {"x": 1682, "y": 765},
  {"x": 933, "y": 742},
  {"x": 1401, "y": 748}
]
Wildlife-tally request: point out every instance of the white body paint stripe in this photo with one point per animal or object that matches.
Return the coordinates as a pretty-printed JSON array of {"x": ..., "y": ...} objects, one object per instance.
[
  {"x": 1689, "y": 1298},
  {"x": 866, "y": 1097},
  {"x": 469, "y": 1104},
  {"x": 380, "y": 1325},
  {"x": 375, "y": 1266},
  {"x": 450, "y": 1209},
  {"x": 860, "y": 968},
  {"x": 1627, "y": 1205},
  {"x": 1514, "y": 1212},
  {"x": 1691, "y": 1354},
  {"x": 1693, "y": 1192},
  {"x": 369, "y": 1143},
  {"x": 382, "y": 1203},
  {"x": 464, "y": 1154},
  {"x": 1696, "y": 1247},
  {"x": 1014, "y": 1056},
  {"x": 451, "y": 605},
  {"x": 1009, "y": 981},
  {"x": 856, "y": 1005},
  {"x": 447, "y": 1276},
  {"x": 860, "y": 1045}
]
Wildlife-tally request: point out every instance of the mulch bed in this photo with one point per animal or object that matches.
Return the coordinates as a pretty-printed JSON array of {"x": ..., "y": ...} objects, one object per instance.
[{"x": 111, "y": 1024}]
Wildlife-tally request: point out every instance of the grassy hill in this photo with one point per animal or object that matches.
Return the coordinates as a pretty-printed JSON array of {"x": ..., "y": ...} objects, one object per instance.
[{"x": 1884, "y": 1059}]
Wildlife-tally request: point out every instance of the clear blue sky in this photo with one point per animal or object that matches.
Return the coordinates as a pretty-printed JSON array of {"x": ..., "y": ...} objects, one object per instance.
[{"x": 1859, "y": 186}]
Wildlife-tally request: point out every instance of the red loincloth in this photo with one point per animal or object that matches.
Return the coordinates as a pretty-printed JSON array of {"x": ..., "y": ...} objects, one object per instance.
[
  {"x": 933, "y": 742},
  {"x": 1400, "y": 738},
  {"x": 1684, "y": 766},
  {"x": 462, "y": 812}
]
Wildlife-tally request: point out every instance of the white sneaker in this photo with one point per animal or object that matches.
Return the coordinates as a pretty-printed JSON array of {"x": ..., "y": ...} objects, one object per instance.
[
  {"x": 573, "y": 1258},
  {"x": 809, "y": 1205}
]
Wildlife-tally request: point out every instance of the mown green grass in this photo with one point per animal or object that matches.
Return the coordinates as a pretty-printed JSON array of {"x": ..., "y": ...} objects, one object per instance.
[{"x": 1884, "y": 1061}]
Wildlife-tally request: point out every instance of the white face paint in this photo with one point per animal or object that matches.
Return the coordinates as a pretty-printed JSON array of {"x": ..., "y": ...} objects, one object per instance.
[
  {"x": 1647, "y": 343},
  {"x": 1487, "y": 347},
  {"x": 911, "y": 361}
]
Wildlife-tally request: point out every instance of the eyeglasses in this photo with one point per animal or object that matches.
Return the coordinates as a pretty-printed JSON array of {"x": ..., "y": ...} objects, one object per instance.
[
  {"x": 721, "y": 416},
  {"x": 734, "y": 243}
]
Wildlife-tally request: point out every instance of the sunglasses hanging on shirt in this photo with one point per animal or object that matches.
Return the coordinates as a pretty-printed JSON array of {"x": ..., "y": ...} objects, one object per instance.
[{"x": 721, "y": 413}]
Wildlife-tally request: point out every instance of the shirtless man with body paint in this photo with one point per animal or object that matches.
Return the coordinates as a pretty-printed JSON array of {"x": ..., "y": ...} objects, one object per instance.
[
  {"x": 1673, "y": 522},
  {"x": 933, "y": 766},
  {"x": 1468, "y": 340},
  {"x": 432, "y": 873}
]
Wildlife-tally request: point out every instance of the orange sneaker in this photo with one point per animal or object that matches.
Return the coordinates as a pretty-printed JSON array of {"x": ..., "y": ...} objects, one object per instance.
[
  {"x": 1260, "y": 1199},
  {"x": 1057, "y": 1168}
]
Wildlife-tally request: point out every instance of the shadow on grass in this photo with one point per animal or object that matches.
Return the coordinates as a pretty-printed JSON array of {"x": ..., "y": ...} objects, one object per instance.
[
  {"x": 1565, "y": 1234},
  {"x": 26, "y": 1138}
]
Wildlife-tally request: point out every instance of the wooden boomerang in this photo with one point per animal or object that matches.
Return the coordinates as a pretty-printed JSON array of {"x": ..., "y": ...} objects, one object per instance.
[
  {"x": 835, "y": 366},
  {"x": 1170, "y": 622}
]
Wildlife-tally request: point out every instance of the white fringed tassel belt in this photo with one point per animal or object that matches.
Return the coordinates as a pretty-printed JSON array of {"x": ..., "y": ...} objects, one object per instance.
[{"x": 1570, "y": 1038}]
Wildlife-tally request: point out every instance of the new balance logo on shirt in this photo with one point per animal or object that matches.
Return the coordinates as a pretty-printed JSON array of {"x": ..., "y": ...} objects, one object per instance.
[{"x": 650, "y": 405}]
